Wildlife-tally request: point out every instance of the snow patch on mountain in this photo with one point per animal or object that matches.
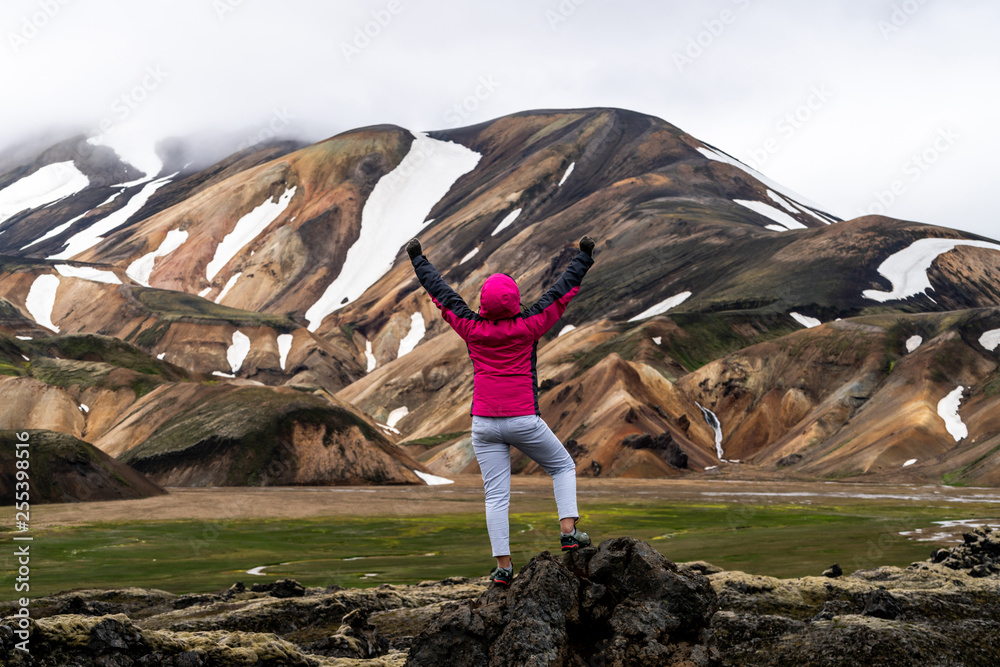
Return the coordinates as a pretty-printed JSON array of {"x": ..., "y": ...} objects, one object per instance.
[
  {"x": 228, "y": 286},
  {"x": 469, "y": 255},
  {"x": 246, "y": 229},
  {"x": 569, "y": 170},
  {"x": 238, "y": 351},
  {"x": 372, "y": 361},
  {"x": 284, "y": 347},
  {"x": 94, "y": 234},
  {"x": 395, "y": 416},
  {"x": 393, "y": 213},
  {"x": 56, "y": 231},
  {"x": 433, "y": 480},
  {"x": 716, "y": 425},
  {"x": 507, "y": 221},
  {"x": 913, "y": 342},
  {"x": 133, "y": 149},
  {"x": 713, "y": 154},
  {"x": 88, "y": 273},
  {"x": 990, "y": 339},
  {"x": 41, "y": 300},
  {"x": 47, "y": 185},
  {"x": 414, "y": 335},
  {"x": 947, "y": 409},
  {"x": 907, "y": 269},
  {"x": 781, "y": 200},
  {"x": 141, "y": 269},
  {"x": 662, "y": 307},
  {"x": 805, "y": 320},
  {"x": 565, "y": 330},
  {"x": 771, "y": 212}
]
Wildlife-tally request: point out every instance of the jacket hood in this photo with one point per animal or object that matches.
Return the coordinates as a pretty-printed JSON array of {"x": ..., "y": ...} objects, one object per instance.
[{"x": 499, "y": 298}]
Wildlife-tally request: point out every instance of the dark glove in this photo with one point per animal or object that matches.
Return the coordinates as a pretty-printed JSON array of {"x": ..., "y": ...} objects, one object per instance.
[
  {"x": 587, "y": 245},
  {"x": 413, "y": 248}
]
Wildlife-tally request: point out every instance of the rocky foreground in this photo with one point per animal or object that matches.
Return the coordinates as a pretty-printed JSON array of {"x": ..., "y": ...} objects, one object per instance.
[{"x": 620, "y": 603}]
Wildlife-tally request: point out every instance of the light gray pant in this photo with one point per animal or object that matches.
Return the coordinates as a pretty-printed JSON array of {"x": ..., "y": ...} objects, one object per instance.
[{"x": 492, "y": 438}]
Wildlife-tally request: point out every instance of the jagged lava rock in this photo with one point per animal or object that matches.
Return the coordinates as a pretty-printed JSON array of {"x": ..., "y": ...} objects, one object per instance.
[{"x": 619, "y": 603}]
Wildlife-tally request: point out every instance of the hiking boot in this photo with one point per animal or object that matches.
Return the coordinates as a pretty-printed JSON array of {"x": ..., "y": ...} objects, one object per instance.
[
  {"x": 575, "y": 540},
  {"x": 502, "y": 577}
]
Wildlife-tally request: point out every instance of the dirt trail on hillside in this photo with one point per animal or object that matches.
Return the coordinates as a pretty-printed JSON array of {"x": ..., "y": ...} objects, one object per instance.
[{"x": 530, "y": 494}]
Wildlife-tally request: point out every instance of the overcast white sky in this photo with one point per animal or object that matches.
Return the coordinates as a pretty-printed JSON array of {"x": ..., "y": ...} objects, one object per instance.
[{"x": 888, "y": 94}]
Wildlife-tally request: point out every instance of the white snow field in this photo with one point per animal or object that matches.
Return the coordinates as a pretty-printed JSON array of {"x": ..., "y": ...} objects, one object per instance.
[
  {"x": 805, "y": 320},
  {"x": 569, "y": 170},
  {"x": 913, "y": 342},
  {"x": 133, "y": 149},
  {"x": 907, "y": 269},
  {"x": 662, "y": 307},
  {"x": 56, "y": 231},
  {"x": 395, "y": 416},
  {"x": 947, "y": 409},
  {"x": 768, "y": 211},
  {"x": 94, "y": 234},
  {"x": 414, "y": 335},
  {"x": 507, "y": 221},
  {"x": 565, "y": 330},
  {"x": 49, "y": 184},
  {"x": 433, "y": 480},
  {"x": 229, "y": 285},
  {"x": 909, "y": 462},
  {"x": 372, "y": 361},
  {"x": 716, "y": 425},
  {"x": 394, "y": 213},
  {"x": 161, "y": 355},
  {"x": 284, "y": 347},
  {"x": 781, "y": 200},
  {"x": 41, "y": 300},
  {"x": 658, "y": 339},
  {"x": 246, "y": 229},
  {"x": 238, "y": 351},
  {"x": 88, "y": 273},
  {"x": 141, "y": 269},
  {"x": 990, "y": 339},
  {"x": 713, "y": 154},
  {"x": 469, "y": 255},
  {"x": 205, "y": 291}
]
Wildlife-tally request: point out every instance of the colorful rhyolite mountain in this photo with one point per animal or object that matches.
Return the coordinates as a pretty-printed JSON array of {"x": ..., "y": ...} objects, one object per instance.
[{"x": 256, "y": 321}]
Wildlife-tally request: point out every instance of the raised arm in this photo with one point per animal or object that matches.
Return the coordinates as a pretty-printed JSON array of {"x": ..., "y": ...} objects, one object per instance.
[
  {"x": 543, "y": 315},
  {"x": 454, "y": 310}
]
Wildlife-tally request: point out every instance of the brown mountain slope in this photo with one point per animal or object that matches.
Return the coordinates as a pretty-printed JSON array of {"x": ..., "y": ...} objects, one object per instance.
[
  {"x": 737, "y": 261},
  {"x": 65, "y": 469}
]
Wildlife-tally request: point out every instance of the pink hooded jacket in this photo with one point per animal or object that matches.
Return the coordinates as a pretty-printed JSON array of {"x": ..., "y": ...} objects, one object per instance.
[{"x": 502, "y": 340}]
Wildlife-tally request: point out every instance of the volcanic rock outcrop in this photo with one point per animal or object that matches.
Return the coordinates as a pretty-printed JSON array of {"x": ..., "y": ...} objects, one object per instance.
[{"x": 620, "y": 603}]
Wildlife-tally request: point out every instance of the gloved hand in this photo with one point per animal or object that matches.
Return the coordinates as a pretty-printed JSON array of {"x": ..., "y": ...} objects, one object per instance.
[
  {"x": 587, "y": 245},
  {"x": 413, "y": 248}
]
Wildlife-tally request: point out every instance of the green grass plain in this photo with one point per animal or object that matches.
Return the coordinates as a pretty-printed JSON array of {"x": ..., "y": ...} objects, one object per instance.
[{"x": 202, "y": 556}]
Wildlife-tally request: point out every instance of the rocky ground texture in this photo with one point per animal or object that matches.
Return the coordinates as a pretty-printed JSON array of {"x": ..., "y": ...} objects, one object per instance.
[{"x": 620, "y": 603}]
